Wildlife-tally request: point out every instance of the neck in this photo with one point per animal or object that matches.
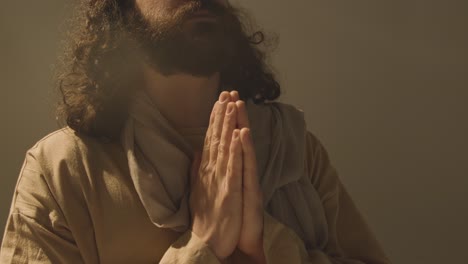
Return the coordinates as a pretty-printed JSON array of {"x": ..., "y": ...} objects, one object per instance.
[{"x": 184, "y": 100}]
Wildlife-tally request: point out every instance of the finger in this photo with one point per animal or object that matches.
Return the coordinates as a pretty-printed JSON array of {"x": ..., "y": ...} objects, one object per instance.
[
  {"x": 226, "y": 136},
  {"x": 217, "y": 128},
  {"x": 242, "y": 116},
  {"x": 234, "y": 96},
  {"x": 206, "y": 145},
  {"x": 234, "y": 167},
  {"x": 250, "y": 177},
  {"x": 195, "y": 167}
]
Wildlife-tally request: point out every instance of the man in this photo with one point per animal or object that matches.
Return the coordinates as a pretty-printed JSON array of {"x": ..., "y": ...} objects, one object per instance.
[{"x": 172, "y": 153}]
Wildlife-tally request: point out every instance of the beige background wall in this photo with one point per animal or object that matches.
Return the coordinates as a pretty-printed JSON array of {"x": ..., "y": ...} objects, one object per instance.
[{"x": 383, "y": 85}]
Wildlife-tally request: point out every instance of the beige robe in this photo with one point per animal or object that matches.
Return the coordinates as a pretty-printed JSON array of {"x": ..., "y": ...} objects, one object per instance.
[{"x": 75, "y": 203}]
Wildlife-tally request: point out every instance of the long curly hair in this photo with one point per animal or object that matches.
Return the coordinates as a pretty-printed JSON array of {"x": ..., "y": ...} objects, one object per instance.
[{"x": 99, "y": 70}]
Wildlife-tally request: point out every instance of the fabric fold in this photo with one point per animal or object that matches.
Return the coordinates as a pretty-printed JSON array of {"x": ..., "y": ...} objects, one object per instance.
[{"x": 159, "y": 159}]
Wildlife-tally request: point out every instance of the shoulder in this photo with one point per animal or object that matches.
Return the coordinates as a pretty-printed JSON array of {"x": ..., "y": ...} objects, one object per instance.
[
  {"x": 320, "y": 169},
  {"x": 292, "y": 118},
  {"x": 63, "y": 140},
  {"x": 64, "y": 147},
  {"x": 53, "y": 179},
  {"x": 284, "y": 109},
  {"x": 291, "y": 114},
  {"x": 280, "y": 117},
  {"x": 69, "y": 163},
  {"x": 58, "y": 142},
  {"x": 63, "y": 165},
  {"x": 314, "y": 144},
  {"x": 287, "y": 107}
]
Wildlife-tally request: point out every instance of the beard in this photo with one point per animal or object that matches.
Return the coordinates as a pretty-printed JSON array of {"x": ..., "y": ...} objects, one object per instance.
[{"x": 178, "y": 43}]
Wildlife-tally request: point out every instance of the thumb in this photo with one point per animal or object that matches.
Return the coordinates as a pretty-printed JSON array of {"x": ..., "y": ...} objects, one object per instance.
[{"x": 195, "y": 166}]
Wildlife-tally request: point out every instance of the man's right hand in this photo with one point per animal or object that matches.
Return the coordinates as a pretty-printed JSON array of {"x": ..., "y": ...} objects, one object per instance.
[{"x": 216, "y": 182}]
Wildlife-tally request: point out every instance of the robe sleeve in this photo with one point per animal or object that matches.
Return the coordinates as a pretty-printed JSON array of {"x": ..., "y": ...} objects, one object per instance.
[
  {"x": 351, "y": 240},
  {"x": 36, "y": 231}
]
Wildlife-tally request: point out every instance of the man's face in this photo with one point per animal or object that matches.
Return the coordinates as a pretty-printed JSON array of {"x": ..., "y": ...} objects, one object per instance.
[{"x": 191, "y": 36}]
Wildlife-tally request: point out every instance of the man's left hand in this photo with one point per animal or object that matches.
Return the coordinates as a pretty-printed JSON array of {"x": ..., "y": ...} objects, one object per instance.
[{"x": 251, "y": 237}]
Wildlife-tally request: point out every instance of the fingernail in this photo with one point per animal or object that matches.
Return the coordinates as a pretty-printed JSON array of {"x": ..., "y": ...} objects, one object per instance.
[
  {"x": 236, "y": 134},
  {"x": 224, "y": 97},
  {"x": 240, "y": 103},
  {"x": 234, "y": 93},
  {"x": 230, "y": 108}
]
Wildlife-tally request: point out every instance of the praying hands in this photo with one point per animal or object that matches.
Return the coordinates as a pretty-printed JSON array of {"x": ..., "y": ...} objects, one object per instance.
[{"x": 226, "y": 201}]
